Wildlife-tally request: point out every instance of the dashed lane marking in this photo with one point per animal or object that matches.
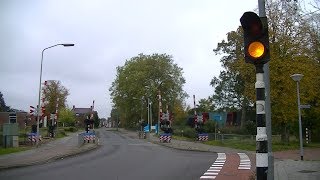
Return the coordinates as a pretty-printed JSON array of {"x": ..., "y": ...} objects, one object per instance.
[
  {"x": 215, "y": 168},
  {"x": 245, "y": 162}
]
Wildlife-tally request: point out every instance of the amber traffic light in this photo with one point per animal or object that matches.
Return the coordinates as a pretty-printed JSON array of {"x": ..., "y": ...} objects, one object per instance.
[{"x": 256, "y": 39}]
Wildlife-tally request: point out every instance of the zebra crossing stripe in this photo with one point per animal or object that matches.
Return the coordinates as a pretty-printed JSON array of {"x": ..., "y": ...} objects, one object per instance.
[
  {"x": 210, "y": 173},
  {"x": 215, "y": 168},
  {"x": 245, "y": 162},
  {"x": 207, "y": 177}
]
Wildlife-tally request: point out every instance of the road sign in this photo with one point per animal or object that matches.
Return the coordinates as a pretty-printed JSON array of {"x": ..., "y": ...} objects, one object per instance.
[
  {"x": 305, "y": 106},
  {"x": 200, "y": 118}
]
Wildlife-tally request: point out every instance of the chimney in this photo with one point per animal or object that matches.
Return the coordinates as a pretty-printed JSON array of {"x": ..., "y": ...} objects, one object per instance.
[{"x": 73, "y": 107}]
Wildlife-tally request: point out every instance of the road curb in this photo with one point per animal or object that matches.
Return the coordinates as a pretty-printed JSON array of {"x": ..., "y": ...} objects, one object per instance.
[
  {"x": 183, "y": 149},
  {"x": 51, "y": 159},
  {"x": 125, "y": 133}
]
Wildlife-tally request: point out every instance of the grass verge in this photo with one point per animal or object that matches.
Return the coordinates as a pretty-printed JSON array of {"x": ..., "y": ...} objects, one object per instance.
[
  {"x": 250, "y": 146},
  {"x": 233, "y": 144},
  {"x": 12, "y": 150}
]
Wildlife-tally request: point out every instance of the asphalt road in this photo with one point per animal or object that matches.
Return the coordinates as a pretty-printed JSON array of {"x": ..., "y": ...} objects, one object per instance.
[{"x": 120, "y": 158}]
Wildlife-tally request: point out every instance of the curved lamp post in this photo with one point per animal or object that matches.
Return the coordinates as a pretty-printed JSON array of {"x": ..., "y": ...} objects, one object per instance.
[
  {"x": 38, "y": 113},
  {"x": 297, "y": 78}
]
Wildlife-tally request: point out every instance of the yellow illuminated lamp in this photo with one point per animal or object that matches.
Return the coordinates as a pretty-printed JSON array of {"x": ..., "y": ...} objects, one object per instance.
[{"x": 256, "y": 49}]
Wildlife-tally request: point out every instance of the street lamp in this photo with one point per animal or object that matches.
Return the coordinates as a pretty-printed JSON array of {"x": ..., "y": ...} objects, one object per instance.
[
  {"x": 38, "y": 114},
  {"x": 297, "y": 78}
]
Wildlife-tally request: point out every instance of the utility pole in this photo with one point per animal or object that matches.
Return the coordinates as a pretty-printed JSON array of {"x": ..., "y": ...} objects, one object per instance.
[
  {"x": 266, "y": 77},
  {"x": 159, "y": 112},
  {"x": 257, "y": 52}
]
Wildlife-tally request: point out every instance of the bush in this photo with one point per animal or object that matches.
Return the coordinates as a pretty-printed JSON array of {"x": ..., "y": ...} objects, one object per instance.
[
  {"x": 62, "y": 132},
  {"x": 209, "y": 127},
  {"x": 189, "y": 132},
  {"x": 71, "y": 129},
  {"x": 251, "y": 127}
]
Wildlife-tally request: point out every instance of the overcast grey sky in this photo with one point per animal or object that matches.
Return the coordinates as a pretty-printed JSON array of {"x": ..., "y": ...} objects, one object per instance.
[{"x": 105, "y": 34}]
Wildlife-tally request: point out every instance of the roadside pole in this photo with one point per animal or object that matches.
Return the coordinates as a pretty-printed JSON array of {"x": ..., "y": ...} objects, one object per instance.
[
  {"x": 159, "y": 112},
  {"x": 266, "y": 77}
]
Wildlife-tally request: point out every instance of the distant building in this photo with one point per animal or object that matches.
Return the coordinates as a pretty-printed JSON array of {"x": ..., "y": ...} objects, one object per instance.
[
  {"x": 82, "y": 114},
  {"x": 23, "y": 118}
]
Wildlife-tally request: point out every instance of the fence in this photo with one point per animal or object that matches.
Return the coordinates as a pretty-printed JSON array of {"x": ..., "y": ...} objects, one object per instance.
[{"x": 239, "y": 138}]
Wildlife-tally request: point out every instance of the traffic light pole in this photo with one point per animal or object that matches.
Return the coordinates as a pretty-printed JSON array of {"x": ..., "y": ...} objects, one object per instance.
[
  {"x": 262, "y": 13},
  {"x": 261, "y": 138}
]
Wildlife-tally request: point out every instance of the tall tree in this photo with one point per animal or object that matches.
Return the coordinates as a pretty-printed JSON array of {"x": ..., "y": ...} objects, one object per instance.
[
  {"x": 54, "y": 92},
  {"x": 3, "y": 106},
  {"x": 144, "y": 76},
  {"x": 232, "y": 90},
  {"x": 205, "y": 105},
  {"x": 292, "y": 51},
  {"x": 67, "y": 117}
]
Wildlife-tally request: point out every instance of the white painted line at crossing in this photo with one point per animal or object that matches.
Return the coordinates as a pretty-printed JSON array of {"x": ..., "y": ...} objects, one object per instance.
[
  {"x": 220, "y": 161},
  {"x": 245, "y": 165},
  {"x": 213, "y": 170},
  {"x": 245, "y": 162},
  {"x": 210, "y": 173},
  {"x": 249, "y": 164},
  {"x": 207, "y": 177}
]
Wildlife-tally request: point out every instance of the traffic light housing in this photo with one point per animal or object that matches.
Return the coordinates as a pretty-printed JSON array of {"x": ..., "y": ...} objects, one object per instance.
[{"x": 256, "y": 38}]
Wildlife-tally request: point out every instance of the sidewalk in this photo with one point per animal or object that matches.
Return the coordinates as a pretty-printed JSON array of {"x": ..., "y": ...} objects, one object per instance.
[
  {"x": 49, "y": 151},
  {"x": 287, "y": 165}
]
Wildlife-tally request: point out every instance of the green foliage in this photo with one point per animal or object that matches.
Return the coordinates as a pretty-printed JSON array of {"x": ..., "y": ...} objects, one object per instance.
[
  {"x": 251, "y": 128},
  {"x": 210, "y": 126},
  {"x": 250, "y": 146},
  {"x": 3, "y": 106},
  {"x": 142, "y": 77},
  {"x": 67, "y": 117},
  {"x": 61, "y": 133},
  {"x": 71, "y": 129},
  {"x": 12, "y": 150},
  {"x": 232, "y": 130},
  {"x": 294, "y": 49},
  {"x": 96, "y": 120},
  {"x": 53, "y": 91},
  {"x": 189, "y": 132},
  {"x": 205, "y": 105}
]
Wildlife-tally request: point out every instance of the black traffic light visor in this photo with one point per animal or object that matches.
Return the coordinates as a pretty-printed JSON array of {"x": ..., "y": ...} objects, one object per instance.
[{"x": 251, "y": 23}]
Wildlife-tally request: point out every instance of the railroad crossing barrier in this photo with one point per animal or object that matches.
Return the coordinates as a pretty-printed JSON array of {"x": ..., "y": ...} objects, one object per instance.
[
  {"x": 86, "y": 137},
  {"x": 142, "y": 135},
  {"x": 203, "y": 137},
  {"x": 33, "y": 138},
  {"x": 166, "y": 137}
]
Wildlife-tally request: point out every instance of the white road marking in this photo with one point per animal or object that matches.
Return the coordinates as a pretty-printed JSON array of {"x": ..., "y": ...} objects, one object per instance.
[
  {"x": 215, "y": 168},
  {"x": 245, "y": 162},
  {"x": 207, "y": 177}
]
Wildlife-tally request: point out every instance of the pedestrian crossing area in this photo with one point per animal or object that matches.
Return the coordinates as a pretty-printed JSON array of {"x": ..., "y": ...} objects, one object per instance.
[
  {"x": 215, "y": 168},
  {"x": 245, "y": 162},
  {"x": 242, "y": 160}
]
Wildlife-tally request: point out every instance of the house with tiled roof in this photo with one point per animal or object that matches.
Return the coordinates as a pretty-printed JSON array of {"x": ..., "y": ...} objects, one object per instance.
[{"x": 82, "y": 114}]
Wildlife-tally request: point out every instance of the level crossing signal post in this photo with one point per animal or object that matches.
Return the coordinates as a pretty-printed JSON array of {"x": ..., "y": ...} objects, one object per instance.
[{"x": 257, "y": 52}]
